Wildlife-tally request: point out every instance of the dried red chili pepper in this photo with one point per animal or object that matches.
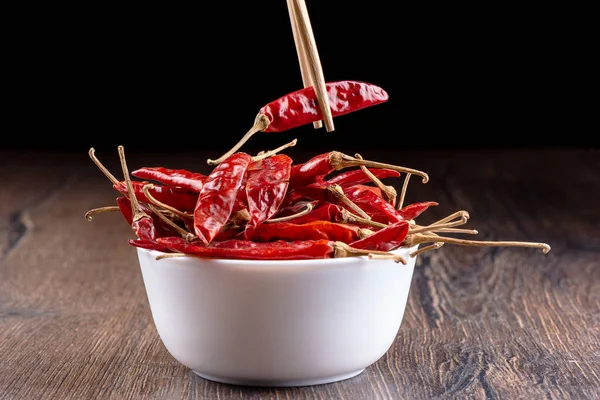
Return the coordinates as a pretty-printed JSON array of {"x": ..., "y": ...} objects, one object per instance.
[
  {"x": 265, "y": 189},
  {"x": 301, "y": 107},
  {"x": 386, "y": 239},
  {"x": 412, "y": 211},
  {"x": 160, "y": 228},
  {"x": 314, "y": 230},
  {"x": 357, "y": 176},
  {"x": 148, "y": 245},
  {"x": 279, "y": 250},
  {"x": 191, "y": 181},
  {"x": 326, "y": 212},
  {"x": 378, "y": 209},
  {"x": 176, "y": 197},
  {"x": 218, "y": 196},
  {"x": 315, "y": 169}
]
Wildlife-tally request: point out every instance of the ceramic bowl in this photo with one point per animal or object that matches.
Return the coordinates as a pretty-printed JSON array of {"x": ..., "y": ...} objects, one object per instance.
[{"x": 276, "y": 323}]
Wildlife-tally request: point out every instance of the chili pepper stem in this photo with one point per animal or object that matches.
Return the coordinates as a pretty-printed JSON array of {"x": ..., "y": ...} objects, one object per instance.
[
  {"x": 184, "y": 234},
  {"x": 266, "y": 154},
  {"x": 389, "y": 193},
  {"x": 457, "y": 230},
  {"x": 403, "y": 191},
  {"x": 463, "y": 215},
  {"x": 418, "y": 238},
  {"x": 338, "y": 193},
  {"x": 437, "y": 227},
  {"x": 348, "y": 217},
  {"x": 434, "y": 246},
  {"x": 135, "y": 206},
  {"x": 309, "y": 208},
  {"x": 340, "y": 160},
  {"x": 90, "y": 214},
  {"x": 395, "y": 257},
  {"x": 146, "y": 190},
  {"x": 102, "y": 168},
  {"x": 241, "y": 217},
  {"x": 341, "y": 249},
  {"x": 261, "y": 123}
]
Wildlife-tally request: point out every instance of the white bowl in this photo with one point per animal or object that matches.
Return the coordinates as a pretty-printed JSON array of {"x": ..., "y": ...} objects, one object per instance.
[{"x": 277, "y": 323}]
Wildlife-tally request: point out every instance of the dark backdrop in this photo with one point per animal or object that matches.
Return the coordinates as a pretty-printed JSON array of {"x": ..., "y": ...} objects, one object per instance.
[{"x": 159, "y": 78}]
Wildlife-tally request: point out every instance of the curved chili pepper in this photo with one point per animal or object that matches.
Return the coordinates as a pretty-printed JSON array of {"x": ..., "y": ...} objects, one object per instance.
[
  {"x": 412, "y": 211},
  {"x": 148, "y": 245},
  {"x": 378, "y": 209},
  {"x": 357, "y": 176},
  {"x": 150, "y": 232},
  {"x": 191, "y": 181},
  {"x": 265, "y": 189},
  {"x": 385, "y": 239},
  {"x": 217, "y": 198},
  {"x": 373, "y": 189},
  {"x": 176, "y": 197},
  {"x": 326, "y": 212},
  {"x": 301, "y": 107},
  {"x": 314, "y": 230}
]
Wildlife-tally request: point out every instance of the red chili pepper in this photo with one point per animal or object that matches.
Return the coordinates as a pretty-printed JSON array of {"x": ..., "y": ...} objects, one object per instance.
[
  {"x": 412, "y": 211},
  {"x": 301, "y": 107},
  {"x": 314, "y": 230},
  {"x": 378, "y": 209},
  {"x": 357, "y": 176},
  {"x": 191, "y": 181},
  {"x": 176, "y": 197},
  {"x": 217, "y": 198},
  {"x": 326, "y": 212},
  {"x": 148, "y": 245},
  {"x": 158, "y": 228},
  {"x": 385, "y": 239},
  {"x": 373, "y": 189},
  {"x": 265, "y": 189}
]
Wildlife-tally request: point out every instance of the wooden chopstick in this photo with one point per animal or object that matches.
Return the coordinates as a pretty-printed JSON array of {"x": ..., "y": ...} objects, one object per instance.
[
  {"x": 305, "y": 70},
  {"x": 314, "y": 62}
]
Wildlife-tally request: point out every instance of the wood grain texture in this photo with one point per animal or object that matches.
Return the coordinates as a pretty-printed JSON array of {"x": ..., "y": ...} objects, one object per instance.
[{"x": 480, "y": 323}]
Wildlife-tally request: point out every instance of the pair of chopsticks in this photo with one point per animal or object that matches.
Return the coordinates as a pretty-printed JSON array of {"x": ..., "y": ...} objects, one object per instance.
[{"x": 308, "y": 56}]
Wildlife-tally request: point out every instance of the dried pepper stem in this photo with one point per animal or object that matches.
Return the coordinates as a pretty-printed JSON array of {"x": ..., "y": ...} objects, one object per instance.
[
  {"x": 266, "y": 154},
  {"x": 389, "y": 192},
  {"x": 341, "y": 249},
  {"x": 418, "y": 238},
  {"x": 434, "y": 246},
  {"x": 308, "y": 208},
  {"x": 340, "y": 160},
  {"x": 135, "y": 206},
  {"x": 184, "y": 234},
  {"x": 457, "y": 230},
  {"x": 463, "y": 215},
  {"x": 437, "y": 227},
  {"x": 395, "y": 257},
  {"x": 102, "y": 168},
  {"x": 403, "y": 191},
  {"x": 171, "y": 255},
  {"x": 338, "y": 193},
  {"x": 261, "y": 123},
  {"x": 347, "y": 216},
  {"x": 146, "y": 190},
  {"x": 90, "y": 214}
]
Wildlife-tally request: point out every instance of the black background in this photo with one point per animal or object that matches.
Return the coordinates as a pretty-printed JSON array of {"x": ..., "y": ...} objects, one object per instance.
[{"x": 184, "y": 79}]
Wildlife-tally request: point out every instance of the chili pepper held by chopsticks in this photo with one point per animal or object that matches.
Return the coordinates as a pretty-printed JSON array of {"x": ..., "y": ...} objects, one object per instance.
[
  {"x": 315, "y": 169},
  {"x": 265, "y": 189},
  {"x": 314, "y": 230},
  {"x": 301, "y": 107},
  {"x": 278, "y": 250},
  {"x": 217, "y": 198},
  {"x": 191, "y": 181}
]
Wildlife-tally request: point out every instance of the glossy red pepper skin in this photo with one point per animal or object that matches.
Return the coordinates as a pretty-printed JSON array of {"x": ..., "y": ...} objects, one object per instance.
[
  {"x": 314, "y": 230},
  {"x": 243, "y": 249},
  {"x": 191, "y": 181},
  {"x": 218, "y": 196},
  {"x": 326, "y": 212},
  {"x": 148, "y": 245},
  {"x": 147, "y": 230},
  {"x": 378, "y": 209},
  {"x": 301, "y": 107},
  {"x": 412, "y": 211},
  {"x": 181, "y": 199},
  {"x": 265, "y": 189},
  {"x": 311, "y": 171},
  {"x": 357, "y": 176},
  {"x": 385, "y": 239}
]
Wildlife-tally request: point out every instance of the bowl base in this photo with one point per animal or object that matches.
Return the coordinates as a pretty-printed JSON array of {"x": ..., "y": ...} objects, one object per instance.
[{"x": 285, "y": 383}]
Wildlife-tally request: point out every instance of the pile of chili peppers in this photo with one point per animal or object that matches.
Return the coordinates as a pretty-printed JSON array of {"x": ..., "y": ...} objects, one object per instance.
[{"x": 267, "y": 207}]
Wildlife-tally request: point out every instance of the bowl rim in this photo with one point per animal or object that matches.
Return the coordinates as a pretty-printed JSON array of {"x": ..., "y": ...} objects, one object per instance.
[{"x": 403, "y": 251}]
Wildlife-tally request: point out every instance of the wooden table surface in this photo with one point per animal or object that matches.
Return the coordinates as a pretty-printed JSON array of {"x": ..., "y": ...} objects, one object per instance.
[{"x": 481, "y": 323}]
